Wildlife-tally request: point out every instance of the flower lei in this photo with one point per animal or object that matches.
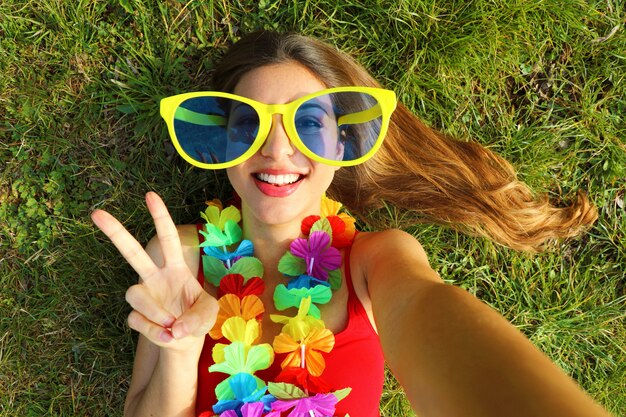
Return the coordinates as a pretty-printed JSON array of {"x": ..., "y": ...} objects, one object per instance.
[{"x": 313, "y": 266}]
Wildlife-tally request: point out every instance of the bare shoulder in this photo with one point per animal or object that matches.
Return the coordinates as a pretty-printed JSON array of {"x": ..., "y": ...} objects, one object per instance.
[
  {"x": 188, "y": 235},
  {"x": 378, "y": 253},
  {"x": 389, "y": 244}
]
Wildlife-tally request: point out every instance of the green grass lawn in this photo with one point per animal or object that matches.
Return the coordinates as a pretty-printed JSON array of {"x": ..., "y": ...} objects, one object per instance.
[{"x": 542, "y": 83}]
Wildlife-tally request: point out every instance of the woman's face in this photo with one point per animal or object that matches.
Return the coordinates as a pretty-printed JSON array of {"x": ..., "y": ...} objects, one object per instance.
[{"x": 279, "y": 184}]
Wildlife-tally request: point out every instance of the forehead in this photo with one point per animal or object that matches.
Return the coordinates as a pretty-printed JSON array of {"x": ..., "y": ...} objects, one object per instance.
[{"x": 278, "y": 83}]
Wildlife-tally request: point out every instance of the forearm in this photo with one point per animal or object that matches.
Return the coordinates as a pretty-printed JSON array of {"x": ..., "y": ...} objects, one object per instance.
[
  {"x": 456, "y": 356},
  {"x": 171, "y": 390}
]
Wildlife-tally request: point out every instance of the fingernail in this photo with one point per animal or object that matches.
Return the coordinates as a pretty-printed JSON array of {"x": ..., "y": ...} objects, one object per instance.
[
  {"x": 165, "y": 336},
  {"x": 169, "y": 322},
  {"x": 179, "y": 330}
]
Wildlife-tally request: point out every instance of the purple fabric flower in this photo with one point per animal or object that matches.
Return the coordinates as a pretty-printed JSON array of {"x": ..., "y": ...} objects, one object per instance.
[
  {"x": 248, "y": 410},
  {"x": 319, "y": 256},
  {"x": 320, "y": 405}
]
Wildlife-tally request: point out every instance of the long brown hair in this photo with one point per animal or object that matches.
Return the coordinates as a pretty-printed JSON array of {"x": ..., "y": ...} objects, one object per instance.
[{"x": 437, "y": 178}]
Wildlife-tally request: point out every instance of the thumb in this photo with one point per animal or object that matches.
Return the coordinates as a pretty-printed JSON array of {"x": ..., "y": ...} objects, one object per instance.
[{"x": 198, "y": 319}]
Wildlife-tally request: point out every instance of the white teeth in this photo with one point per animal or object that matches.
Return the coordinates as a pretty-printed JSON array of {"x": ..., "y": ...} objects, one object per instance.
[{"x": 278, "y": 179}]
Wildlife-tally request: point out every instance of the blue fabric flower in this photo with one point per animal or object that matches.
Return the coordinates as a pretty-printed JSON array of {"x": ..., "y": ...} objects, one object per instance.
[
  {"x": 306, "y": 281},
  {"x": 245, "y": 388},
  {"x": 245, "y": 248}
]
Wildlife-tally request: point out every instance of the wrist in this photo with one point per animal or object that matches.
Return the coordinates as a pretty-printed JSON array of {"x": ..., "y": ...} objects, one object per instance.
[{"x": 183, "y": 351}]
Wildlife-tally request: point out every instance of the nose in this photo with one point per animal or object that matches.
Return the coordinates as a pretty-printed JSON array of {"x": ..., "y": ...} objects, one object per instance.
[{"x": 277, "y": 145}]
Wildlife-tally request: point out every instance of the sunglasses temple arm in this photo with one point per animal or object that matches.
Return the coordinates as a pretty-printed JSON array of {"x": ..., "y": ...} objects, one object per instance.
[
  {"x": 360, "y": 117},
  {"x": 196, "y": 118}
]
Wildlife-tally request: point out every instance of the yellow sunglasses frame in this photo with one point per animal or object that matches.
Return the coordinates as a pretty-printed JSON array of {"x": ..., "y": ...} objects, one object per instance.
[{"x": 169, "y": 109}]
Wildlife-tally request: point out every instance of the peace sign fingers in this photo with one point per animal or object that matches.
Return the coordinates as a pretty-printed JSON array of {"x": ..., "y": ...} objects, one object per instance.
[
  {"x": 126, "y": 244},
  {"x": 166, "y": 231}
]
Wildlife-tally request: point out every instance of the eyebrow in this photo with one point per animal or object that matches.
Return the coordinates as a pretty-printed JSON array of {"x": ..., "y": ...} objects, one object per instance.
[{"x": 314, "y": 105}]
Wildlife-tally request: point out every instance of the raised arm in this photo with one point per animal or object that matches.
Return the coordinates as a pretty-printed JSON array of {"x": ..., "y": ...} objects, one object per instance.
[
  {"x": 453, "y": 354},
  {"x": 171, "y": 312}
]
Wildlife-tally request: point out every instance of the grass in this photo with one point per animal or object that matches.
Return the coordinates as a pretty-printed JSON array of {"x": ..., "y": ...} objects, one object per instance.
[{"x": 542, "y": 83}]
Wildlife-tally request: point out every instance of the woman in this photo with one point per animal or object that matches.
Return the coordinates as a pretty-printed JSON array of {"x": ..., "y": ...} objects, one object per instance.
[{"x": 452, "y": 354}]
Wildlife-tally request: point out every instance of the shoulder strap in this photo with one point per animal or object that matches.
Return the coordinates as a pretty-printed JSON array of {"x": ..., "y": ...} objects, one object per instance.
[{"x": 348, "y": 274}]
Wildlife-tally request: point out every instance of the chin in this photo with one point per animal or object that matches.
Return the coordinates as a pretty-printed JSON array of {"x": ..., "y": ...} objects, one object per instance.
[{"x": 277, "y": 211}]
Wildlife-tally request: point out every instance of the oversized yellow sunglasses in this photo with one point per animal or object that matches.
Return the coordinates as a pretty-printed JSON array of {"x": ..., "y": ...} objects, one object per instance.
[{"x": 338, "y": 126}]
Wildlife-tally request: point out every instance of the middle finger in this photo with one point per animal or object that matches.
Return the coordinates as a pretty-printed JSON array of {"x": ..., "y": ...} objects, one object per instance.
[{"x": 166, "y": 230}]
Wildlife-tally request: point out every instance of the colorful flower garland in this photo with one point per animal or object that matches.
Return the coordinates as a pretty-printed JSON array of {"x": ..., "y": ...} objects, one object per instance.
[{"x": 313, "y": 266}]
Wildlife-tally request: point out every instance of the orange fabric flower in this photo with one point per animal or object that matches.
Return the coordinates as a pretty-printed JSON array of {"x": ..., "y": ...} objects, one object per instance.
[
  {"x": 305, "y": 354},
  {"x": 248, "y": 307},
  {"x": 215, "y": 202}
]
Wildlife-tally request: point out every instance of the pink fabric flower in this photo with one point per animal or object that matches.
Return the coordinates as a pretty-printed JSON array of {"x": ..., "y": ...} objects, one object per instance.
[
  {"x": 320, "y": 405},
  {"x": 317, "y": 253},
  {"x": 248, "y": 410}
]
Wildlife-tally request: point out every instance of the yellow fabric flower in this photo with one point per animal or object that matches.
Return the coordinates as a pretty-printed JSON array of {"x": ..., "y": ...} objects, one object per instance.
[
  {"x": 301, "y": 325},
  {"x": 330, "y": 207},
  {"x": 236, "y": 329},
  {"x": 218, "y": 217},
  {"x": 306, "y": 353}
]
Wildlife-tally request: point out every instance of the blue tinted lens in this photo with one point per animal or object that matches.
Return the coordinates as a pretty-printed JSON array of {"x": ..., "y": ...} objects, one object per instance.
[
  {"x": 215, "y": 129},
  {"x": 339, "y": 126}
]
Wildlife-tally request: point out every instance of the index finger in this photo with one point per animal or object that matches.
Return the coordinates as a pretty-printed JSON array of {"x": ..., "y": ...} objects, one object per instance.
[{"x": 125, "y": 243}]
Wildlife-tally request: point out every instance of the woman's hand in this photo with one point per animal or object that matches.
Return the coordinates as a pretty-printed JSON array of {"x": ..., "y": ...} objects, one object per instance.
[{"x": 170, "y": 307}]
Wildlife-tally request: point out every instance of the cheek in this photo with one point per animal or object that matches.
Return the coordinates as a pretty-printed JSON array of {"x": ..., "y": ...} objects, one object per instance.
[
  {"x": 327, "y": 176},
  {"x": 236, "y": 178},
  {"x": 340, "y": 150}
]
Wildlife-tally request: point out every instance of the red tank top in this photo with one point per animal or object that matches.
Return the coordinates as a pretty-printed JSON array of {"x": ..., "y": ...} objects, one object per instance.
[{"x": 356, "y": 361}]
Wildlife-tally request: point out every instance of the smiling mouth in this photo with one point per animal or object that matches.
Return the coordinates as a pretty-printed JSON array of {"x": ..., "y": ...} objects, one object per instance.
[{"x": 278, "y": 180}]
